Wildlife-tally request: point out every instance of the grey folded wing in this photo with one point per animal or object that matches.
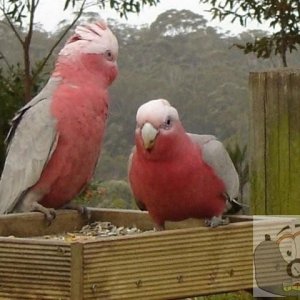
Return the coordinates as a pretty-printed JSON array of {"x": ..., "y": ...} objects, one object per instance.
[
  {"x": 217, "y": 157},
  {"x": 139, "y": 203},
  {"x": 32, "y": 140}
]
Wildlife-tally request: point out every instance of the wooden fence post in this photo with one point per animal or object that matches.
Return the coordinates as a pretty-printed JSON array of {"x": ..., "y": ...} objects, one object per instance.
[{"x": 275, "y": 141}]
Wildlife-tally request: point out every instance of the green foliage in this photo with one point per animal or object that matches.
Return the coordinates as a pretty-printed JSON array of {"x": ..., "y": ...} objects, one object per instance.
[
  {"x": 232, "y": 296},
  {"x": 11, "y": 99},
  {"x": 16, "y": 10},
  {"x": 283, "y": 17},
  {"x": 123, "y": 7},
  {"x": 107, "y": 194}
]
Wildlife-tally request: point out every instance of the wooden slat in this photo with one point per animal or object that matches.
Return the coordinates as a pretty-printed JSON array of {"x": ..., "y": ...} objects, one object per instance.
[
  {"x": 275, "y": 141},
  {"x": 142, "y": 220},
  {"x": 271, "y": 144},
  {"x": 33, "y": 271},
  {"x": 153, "y": 266},
  {"x": 284, "y": 99},
  {"x": 34, "y": 224},
  {"x": 257, "y": 142},
  {"x": 175, "y": 263},
  {"x": 77, "y": 271},
  {"x": 293, "y": 206}
]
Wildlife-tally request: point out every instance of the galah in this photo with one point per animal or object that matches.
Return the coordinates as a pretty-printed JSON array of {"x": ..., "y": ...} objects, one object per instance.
[
  {"x": 177, "y": 175},
  {"x": 55, "y": 139}
]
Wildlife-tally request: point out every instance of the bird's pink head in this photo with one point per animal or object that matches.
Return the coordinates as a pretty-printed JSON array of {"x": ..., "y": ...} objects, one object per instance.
[
  {"x": 90, "y": 43},
  {"x": 158, "y": 127}
]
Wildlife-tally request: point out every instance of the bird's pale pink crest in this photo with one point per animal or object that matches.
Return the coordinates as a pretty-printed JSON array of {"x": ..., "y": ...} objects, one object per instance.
[{"x": 94, "y": 38}]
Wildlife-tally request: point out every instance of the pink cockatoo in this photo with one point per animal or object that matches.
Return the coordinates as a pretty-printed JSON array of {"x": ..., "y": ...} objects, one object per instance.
[
  {"x": 55, "y": 139},
  {"x": 177, "y": 175}
]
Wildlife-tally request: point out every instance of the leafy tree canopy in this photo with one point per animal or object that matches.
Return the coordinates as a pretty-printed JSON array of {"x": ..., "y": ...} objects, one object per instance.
[
  {"x": 283, "y": 16},
  {"x": 123, "y": 7}
]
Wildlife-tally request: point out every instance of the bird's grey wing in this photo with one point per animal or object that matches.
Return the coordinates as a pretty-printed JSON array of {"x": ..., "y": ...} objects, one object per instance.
[
  {"x": 217, "y": 157},
  {"x": 31, "y": 144},
  {"x": 139, "y": 204},
  {"x": 45, "y": 93}
]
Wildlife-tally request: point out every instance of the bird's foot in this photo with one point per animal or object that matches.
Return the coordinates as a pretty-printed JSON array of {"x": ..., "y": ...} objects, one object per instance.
[
  {"x": 159, "y": 227},
  {"x": 50, "y": 213},
  {"x": 216, "y": 221},
  {"x": 31, "y": 203},
  {"x": 84, "y": 211}
]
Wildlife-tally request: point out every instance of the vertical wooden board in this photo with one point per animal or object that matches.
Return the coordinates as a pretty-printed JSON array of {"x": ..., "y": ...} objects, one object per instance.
[
  {"x": 257, "y": 83},
  {"x": 76, "y": 271},
  {"x": 272, "y": 142},
  {"x": 285, "y": 96},
  {"x": 294, "y": 110}
]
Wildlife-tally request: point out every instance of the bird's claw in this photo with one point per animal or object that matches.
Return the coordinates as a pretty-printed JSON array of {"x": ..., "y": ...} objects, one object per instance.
[
  {"x": 84, "y": 211},
  {"x": 216, "y": 221},
  {"x": 50, "y": 215}
]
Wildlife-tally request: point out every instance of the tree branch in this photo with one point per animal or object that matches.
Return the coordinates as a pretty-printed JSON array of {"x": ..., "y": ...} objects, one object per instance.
[
  {"x": 13, "y": 28},
  {"x": 32, "y": 9},
  {"x": 46, "y": 59}
]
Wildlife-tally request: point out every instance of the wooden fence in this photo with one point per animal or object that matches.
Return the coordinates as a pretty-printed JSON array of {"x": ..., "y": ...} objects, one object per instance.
[{"x": 275, "y": 141}]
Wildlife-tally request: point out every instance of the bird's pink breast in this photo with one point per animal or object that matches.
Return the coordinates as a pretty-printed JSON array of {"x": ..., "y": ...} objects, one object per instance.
[
  {"x": 179, "y": 188},
  {"x": 81, "y": 116}
]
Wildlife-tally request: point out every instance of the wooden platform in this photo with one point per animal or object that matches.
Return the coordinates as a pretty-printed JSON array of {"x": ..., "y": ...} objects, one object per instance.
[{"x": 186, "y": 260}]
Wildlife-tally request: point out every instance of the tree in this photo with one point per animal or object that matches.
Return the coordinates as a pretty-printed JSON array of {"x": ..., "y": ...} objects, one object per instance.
[
  {"x": 283, "y": 17},
  {"x": 16, "y": 11},
  {"x": 123, "y": 7}
]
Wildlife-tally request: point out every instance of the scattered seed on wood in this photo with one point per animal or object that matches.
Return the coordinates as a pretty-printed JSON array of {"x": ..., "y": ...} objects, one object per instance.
[{"x": 96, "y": 230}]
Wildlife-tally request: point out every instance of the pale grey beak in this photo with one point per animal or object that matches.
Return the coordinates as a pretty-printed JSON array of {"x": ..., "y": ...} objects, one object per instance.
[{"x": 149, "y": 134}]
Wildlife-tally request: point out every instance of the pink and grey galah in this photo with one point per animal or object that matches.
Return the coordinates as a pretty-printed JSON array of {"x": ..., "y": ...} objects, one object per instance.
[
  {"x": 177, "y": 175},
  {"x": 55, "y": 139}
]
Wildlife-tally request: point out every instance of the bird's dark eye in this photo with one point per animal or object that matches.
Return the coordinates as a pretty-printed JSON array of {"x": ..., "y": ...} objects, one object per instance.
[
  {"x": 167, "y": 123},
  {"x": 108, "y": 54}
]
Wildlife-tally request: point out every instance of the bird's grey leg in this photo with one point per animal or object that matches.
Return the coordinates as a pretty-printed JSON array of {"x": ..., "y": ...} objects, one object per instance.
[
  {"x": 80, "y": 208},
  {"x": 216, "y": 221},
  {"x": 30, "y": 203},
  {"x": 159, "y": 228}
]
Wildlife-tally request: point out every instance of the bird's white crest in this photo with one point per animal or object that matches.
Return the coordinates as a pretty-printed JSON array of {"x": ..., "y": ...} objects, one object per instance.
[
  {"x": 91, "y": 38},
  {"x": 156, "y": 112}
]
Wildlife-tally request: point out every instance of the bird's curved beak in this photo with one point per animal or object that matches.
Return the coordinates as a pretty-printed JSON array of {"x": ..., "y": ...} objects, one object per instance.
[{"x": 149, "y": 134}]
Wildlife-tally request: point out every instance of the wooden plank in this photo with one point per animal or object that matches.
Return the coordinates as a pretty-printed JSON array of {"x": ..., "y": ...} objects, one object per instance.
[
  {"x": 122, "y": 217},
  {"x": 169, "y": 264},
  {"x": 275, "y": 141},
  {"x": 34, "y": 224},
  {"x": 142, "y": 220},
  {"x": 257, "y": 83},
  {"x": 24, "y": 225},
  {"x": 77, "y": 271},
  {"x": 43, "y": 268},
  {"x": 293, "y": 206},
  {"x": 272, "y": 87},
  {"x": 192, "y": 260},
  {"x": 284, "y": 98}
]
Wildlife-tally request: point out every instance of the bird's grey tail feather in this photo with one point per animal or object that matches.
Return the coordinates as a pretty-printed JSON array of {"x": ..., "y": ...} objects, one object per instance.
[{"x": 234, "y": 207}]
